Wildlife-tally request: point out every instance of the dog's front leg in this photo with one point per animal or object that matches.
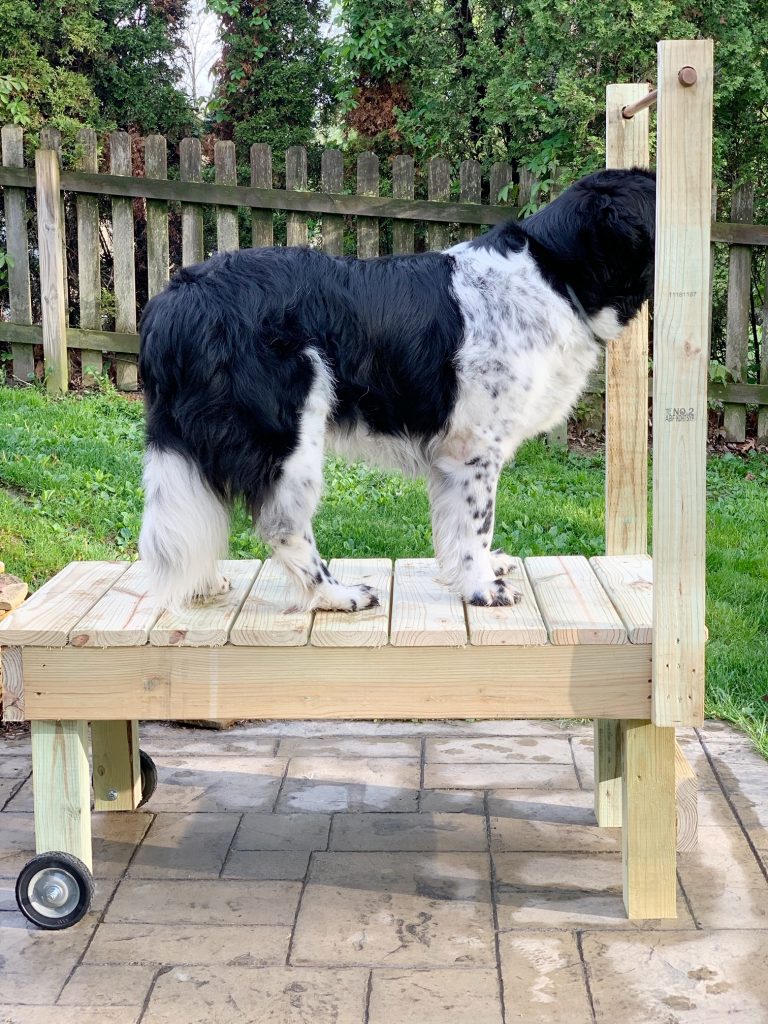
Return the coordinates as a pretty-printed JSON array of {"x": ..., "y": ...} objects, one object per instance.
[{"x": 463, "y": 496}]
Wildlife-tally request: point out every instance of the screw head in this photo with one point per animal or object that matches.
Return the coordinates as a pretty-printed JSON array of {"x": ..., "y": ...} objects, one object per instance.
[
  {"x": 687, "y": 75},
  {"x": 111, "y": 794}
]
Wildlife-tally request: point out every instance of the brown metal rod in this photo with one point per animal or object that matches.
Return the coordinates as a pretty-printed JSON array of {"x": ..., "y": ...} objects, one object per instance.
[{"x": 631, "y": 109}]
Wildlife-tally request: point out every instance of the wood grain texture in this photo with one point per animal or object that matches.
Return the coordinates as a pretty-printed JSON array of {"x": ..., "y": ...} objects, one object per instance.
[
  {"x": 46, "y": 618},
  {"x": 502, "y": 174},
  {"x": 53, "y": 301},
  {"x": 402, "y": 188},
  {"x": 438, "y": 190},
  {"x": 649, "y": 826},
  {"x": 369, "y": 628},
  {"x": 225, "y": 161},
  {"x": 738, "y": 326},
  {"x": 518, "y": 625},
  {"x": 88, "y": 262},
  {"x": 168, "y": 683},
  {"x": 367, "y": 185},
  {"x": 116, "y": 770},
  {"x": 17, "y": 247},
  {"x": 332, "y": 180},
  {"x": 687, "y": 803},
  {"x": 574, "y": 606},
  {"x": 470, "y": 191},
  {"x": 608, "y": 769},
  {"x": 626, "y": 429},
  {"x": 12, "y": 678},
  {"x": 62, "y": 788},
  {"x": 262, "y": 230},
  {"x": 158, "y": 258},
  {"x": 191, "y": 169},
  {"x": 123, "y": 616},
  {"x": 207, "y": 623},
  {"x": 628, "y": 582},
  {"x": 681, "y": 355},
  {"x": 296, "y": 224},
  {"x": 424, "y": 612},
  {"x": 272, "y": 614},
  {"x": 123, "y": 261}
]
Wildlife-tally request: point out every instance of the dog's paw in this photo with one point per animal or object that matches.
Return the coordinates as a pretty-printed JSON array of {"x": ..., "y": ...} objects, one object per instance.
[
  {"x": 333, "y": 596},
  {"x": 221, "y": 586},
  {"x": 502, "y": 563},
  {"x": 496, "y": 594}
]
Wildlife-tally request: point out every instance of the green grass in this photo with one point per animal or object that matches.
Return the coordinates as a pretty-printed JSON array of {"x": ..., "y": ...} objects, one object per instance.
[{"x": 70, "y": 488}]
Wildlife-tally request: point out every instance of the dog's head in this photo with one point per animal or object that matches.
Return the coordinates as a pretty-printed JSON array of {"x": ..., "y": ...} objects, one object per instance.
[{"x": 598, "y": 237}]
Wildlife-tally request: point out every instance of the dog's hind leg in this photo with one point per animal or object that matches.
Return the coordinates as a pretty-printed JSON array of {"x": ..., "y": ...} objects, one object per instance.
[{"x": 285, "y": 517}]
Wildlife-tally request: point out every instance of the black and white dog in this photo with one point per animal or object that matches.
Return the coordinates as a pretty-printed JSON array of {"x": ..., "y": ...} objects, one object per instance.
[{"x": 438, "y": 364}]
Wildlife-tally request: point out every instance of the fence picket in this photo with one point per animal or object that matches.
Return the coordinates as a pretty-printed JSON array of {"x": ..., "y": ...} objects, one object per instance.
[
  {"x": 402, "y": 188},
  {"x": 17, "y": 247},
  {"x": 502, "y": 175},
  {"x": 470, "y": 191},
  {"x": 439, "y": 191},
  {"x": 52, "y": 299},
  {"x": 158, "y": 258},
  {"x": 123, "y": 260},
  {"x": 762, "y": 414},
  {"x": 225, "y": 161},
  {"x": 296, "y": 224},
  {"x": 88, "y": 264},
  {"x": 367, "y": 185},
  {"x": 50, "y": 138},
  {"x": 261, "y": 177},
  {"x": 737, "y": 331},
  {"x": 332, "y": 180},
  {"x": 190, "y": 169}
]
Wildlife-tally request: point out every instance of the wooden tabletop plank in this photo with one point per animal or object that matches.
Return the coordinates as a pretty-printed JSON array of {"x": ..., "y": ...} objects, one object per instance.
[
  {"x": 46, "y": 618},
  {"x": 369, "y": 628},
  {"x": 628, "y": 582},
  {"x": 207, "y": 623},
  {"x": 519, "y": 625},
  {"x": 573, "y": 604},
  {"x": 424, "y": 612},
  {"x": 123, "y": 616},
  {"x": 272, "y": 615}
]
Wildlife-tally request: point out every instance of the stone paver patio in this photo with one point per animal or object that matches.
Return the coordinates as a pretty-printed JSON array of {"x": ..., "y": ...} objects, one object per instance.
[{"x": 355, "y": 873}]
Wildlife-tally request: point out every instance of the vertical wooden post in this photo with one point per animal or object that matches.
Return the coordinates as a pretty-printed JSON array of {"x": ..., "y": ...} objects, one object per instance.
[
  {"x": 296, "y": 180},
  {"x": 684, "y": 177},
  {"x": 61, "y": 785},
  {"x": 88, "y": 263},
  {"x": 226, "y": 216},
  {"x": 626, "y": 436},
  {"x": 502, "y": 174},
  {"x": 158, "y": 257},
  {"x": 52, "y": 298},
  {"x": 470, "y": 191},
  {"x": 190, "y": 168},
  {"x": 649, "y": 828},
  {"x": 402, "y": 188},
  {"x": 438, "y": 190},
  {"x": 116, "y": 771},
  {"x": 261, "y": 177},
  {"x": 17, "y": 247},
  {"x": 123, "y": 259},
  {"x": 367, "y": 185},
  {"x": 737, "y": 331},
  {"x": 762, "y": 415},
  {"x": 332, "y": 178}
]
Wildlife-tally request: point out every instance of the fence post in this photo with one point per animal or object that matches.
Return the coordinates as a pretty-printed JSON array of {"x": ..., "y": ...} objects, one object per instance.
[
  {"x": 438, "y": 190},
  {"x": 762, "y": 415},
  {"x": 158, "y": 257},
  {"x": 332, "y": 177},
  {"x": 123, "y": 260},
  {"x": 190, "y": 169},
  {"x": 402, "y": 188},
  {"x": 17, "y": 247},
  {"x": 470, "y": 191},
  {"x": 88, "y": 266},
  {"x": 296, "y": 227},
  {"x": 367, "y": 185},
  {"x": 737, "y": 336},
  {"x": 261, "y": 177},
  {"x": 52, "y": 298},
  {"x": 227, "y": 235}
]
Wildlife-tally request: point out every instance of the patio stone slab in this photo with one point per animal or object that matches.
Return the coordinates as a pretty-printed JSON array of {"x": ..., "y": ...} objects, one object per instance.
[
  {"x": 327, "y": 784},
  {"x": 113, "y": 985},
  {"x": 148, "y": 901},
  {"x": 162, "y": 740},
  {"x": 350, "y": 746},
  {"x": 231, "y": 783},
  {"x": 702, "y": 977},
  {"x": 266, "y": 864},
  {"x": 563, "y": 806},
  {"x": 543, "y": 978},
  {"x": 723, "y": 880},
  {"x": 440, "y": 996},
  {"x": 424, "y": 831},
  {"x": 499, "y": 750},
  {"x": 500, "y": 776},
  {"x": 456, "y": 801},
  {"x": 185, "y": 846},
  {"x": 510, "y": 834},
  {"x": 396, "y": 909},
  {"x": 283, "y": 832},
  {"x": 267, "y": 995},
  {"x": 68, "y": 1015},
  {"x": 16, "y": 768},
  {"x": 158, "y": 944}
]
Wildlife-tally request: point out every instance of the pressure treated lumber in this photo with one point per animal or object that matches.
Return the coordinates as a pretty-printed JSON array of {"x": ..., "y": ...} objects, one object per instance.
[
  {"x": 628, "y": 582},
  {"x": 686, "y": 801},
  {"x": 207, "y": 623},
  {"x": 170, "y": 683},
  {"x": 12, "y": 678},
  {"x": 12, "y": 591},
  {"x": 62, "y": 788},
  {"x": 369, "y": 628},
  {"x": 50, "y": 235},
  {"x": 272, "y": 614},
  {"x": 123, "y": 616},
  {"x": 608, "y": 769},
  {"x": 681, "y": 355},
  {"x": 574, "y": 606},
  {"x": 116, "y": 769},
  {"x": 517, "y": 625},
  {"x": 425, "y": 612}
]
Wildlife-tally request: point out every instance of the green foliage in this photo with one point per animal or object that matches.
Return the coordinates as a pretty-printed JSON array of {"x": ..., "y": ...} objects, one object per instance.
[
  {"x": 6, "y": 261},
  {"x": 92, "y": 63},
  {"x": 272, "y": 79}
]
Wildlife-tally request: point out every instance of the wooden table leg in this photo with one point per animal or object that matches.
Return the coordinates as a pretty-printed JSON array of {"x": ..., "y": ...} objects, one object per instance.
[
  {"x": 608, "y": 794},
  {"x": 62, "y": 790},
  {"x": 116, "y": 772}
]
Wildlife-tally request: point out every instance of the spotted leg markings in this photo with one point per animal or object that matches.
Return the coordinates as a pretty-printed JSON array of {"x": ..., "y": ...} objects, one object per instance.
[{"x": 503, "y": 564}]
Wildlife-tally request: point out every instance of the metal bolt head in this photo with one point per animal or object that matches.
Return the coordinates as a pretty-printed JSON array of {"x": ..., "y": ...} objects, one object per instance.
[{"x": 111, "y": 794}]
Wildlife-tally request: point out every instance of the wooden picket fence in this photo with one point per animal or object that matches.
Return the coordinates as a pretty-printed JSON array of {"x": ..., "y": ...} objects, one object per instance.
[{"x": 339, "y": 221}]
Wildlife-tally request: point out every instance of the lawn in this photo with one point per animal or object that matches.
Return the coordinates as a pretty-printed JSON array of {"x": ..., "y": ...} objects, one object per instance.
[{"x": 70, "y": 488}]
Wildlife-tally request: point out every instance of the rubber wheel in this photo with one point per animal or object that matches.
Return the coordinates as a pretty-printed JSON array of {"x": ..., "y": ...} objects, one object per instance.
[
  {"x": 54, "y": 890},
  {"x": 148, "y": 770}
]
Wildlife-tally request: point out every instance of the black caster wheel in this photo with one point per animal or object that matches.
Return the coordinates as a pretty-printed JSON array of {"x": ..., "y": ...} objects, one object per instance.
[
  {"x": 54, "y": 890},
  {"x": 148, "y": 770}
]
